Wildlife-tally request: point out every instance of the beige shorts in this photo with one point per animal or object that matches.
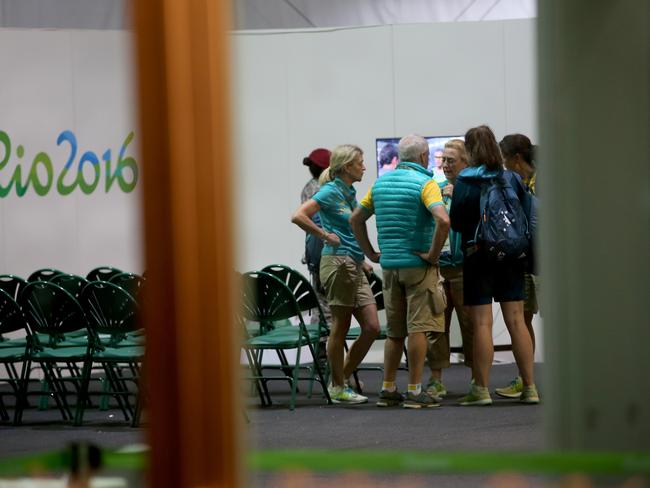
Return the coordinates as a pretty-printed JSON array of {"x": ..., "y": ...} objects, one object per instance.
[
  {"x": 415, "y": 301},
  {"x": 531, "y": 303},
  {"x": 345, "y": 282}
]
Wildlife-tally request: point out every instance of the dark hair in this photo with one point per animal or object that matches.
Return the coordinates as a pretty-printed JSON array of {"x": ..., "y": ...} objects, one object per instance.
[
  {"x": 314, "y": 169},
  {"x": 387, "y": 154},
  {"x": 482, "y": 148},
  {"x": 518, "y": 144}
]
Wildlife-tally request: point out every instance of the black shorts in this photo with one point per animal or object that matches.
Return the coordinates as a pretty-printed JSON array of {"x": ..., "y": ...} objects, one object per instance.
[{"x": 485, "y": 279}]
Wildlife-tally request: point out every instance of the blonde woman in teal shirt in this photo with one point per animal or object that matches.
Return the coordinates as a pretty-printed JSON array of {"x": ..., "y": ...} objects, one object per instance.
[{"x": 342, "y": 269}]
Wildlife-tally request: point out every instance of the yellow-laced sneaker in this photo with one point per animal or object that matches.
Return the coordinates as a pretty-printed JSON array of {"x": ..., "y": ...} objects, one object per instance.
[
  {"x": 478, "y": 395},
  {"x": 513, "y": 390},
  {"x": 529, "y": 395}
]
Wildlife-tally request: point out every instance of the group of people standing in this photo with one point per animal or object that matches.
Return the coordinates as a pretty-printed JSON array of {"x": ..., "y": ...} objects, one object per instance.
[{"x": 431, "y": 264}]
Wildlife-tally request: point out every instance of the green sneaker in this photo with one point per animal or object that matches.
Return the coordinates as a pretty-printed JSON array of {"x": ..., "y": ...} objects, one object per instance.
[
  {"x": 529, "y": 395},
  {"x": 389, "y": 398},
  {"x": 345, "y": 394},
  {"x": 436, "y": 389},
  {"x": 422, "y": 400},
  {"x": 478, "y": 395},
  {"x": 513, "y": 390}
]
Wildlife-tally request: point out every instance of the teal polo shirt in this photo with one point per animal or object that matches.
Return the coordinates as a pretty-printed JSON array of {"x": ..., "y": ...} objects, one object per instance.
[{"x": 337, "y": 201}]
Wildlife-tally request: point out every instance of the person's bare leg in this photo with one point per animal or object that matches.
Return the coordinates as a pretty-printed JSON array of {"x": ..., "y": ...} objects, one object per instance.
[
  {"x": 417, "y": 350},
  {"x": 393, "y": 350},
  {"x": 522, "y": 344},
  {"x": 367, "y": 318},
  {"x": 341, "y": 317},
  {"x": 481, "y": 316},
  {"x": 528, "y": 318}
]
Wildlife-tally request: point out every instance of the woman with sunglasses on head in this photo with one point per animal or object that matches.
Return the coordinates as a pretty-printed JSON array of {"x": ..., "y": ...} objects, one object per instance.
[
  {"x": 342, "y": 268},
  {"x": 519, "y": 157},
  {"x": 454, "y": 160},
  {"x": 484, "y": 277}
]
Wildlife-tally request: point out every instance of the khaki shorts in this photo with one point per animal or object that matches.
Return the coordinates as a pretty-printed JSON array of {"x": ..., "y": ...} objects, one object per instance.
[
  {"x": 345, "y": 282},
  {"x": 531, "y": 303},
  {"x": 415, "y": 301}
]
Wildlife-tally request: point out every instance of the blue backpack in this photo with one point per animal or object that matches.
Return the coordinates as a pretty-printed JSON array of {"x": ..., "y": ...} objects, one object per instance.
[{"x": 503, "y": 228}]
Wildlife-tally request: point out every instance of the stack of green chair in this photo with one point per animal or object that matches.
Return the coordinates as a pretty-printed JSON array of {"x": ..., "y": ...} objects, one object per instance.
[
  {"x": 13, "y": 352},
  {"x": 51, "y": 313},
  {"x": 266, "y": 300},
  {"x": 113, "y": 314}
]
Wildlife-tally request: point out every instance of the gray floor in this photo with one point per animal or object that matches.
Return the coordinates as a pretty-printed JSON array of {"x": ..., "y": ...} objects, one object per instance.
[{"x": 506, "y": 425}]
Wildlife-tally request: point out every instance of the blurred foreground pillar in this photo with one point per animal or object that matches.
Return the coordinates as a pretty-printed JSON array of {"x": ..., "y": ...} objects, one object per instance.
[
  {"x": 595, "y": 189},
  {"x": 191, "y": 367}
]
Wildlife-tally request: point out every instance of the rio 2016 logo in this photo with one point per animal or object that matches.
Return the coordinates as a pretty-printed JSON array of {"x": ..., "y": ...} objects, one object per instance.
[{"x": 41, "y": 172}]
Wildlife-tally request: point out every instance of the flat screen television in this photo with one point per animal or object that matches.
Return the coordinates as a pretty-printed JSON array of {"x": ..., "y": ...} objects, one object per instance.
[{"x": 387, "y": 154}]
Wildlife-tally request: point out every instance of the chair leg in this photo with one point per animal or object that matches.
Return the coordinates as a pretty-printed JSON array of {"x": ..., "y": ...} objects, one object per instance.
[
  {"x": 118, "y": 386},
  {"x": 44, "y": 399},
  {"x": 294, "y": 381},
  {"x": 21, "y": 397},
  {"x": 4, "y": 414},
  {"x": 322, "y": 378},
  {"x": 285, "y": 363},
  {"x": 262, "y": 393},
  {"x": 83, "y": 392},
  {"x": 104, "y": 399},
  {"x": 58, "y": 389},
  {"x": 316, "y": 354}
]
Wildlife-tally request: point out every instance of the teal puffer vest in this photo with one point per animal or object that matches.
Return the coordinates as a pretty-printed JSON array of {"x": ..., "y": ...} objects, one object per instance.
[{"x": 404, "y": 225}]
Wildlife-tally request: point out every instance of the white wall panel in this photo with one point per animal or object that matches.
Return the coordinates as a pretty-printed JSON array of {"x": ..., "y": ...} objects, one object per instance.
[
  {"x": 520, "y": 61},
  {"x": 449, "y": 77},
  {"x": 261, "y": 156}
]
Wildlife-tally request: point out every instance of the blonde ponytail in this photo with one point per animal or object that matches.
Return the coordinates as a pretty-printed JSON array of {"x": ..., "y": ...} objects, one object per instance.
[{"x": 325, "y": 177}]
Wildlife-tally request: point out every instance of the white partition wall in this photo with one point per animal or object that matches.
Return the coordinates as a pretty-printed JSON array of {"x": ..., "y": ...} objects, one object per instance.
[
  {"x": 66, "y": 101},
  {"x": 297, "y": 90}
]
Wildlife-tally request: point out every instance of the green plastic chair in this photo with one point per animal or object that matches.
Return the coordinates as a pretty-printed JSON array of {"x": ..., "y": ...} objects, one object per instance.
[
  {"x": 103, "y": 273},
  {"x": 307, "y": 301},
  {"x": 112, "y": 314},
  {"x": 52, "y": 312},
  {"x": 265, "y": 299},
  {"x": 13, "y": 352}
]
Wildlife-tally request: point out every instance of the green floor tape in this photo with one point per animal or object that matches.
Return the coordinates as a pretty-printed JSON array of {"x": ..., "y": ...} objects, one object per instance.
[
  {"x": 375, "y": 461},
  {"x": 458, "y": 462}
]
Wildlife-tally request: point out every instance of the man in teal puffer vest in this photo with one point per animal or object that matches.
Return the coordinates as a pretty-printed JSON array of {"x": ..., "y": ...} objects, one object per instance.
[{"x": 412, "y": 226}]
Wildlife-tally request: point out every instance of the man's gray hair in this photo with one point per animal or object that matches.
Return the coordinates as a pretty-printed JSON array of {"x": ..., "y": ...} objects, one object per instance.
[{"x": 411, "y": 147}]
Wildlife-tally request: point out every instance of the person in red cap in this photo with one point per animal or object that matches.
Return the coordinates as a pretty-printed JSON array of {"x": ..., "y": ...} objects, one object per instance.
[{"x": 317, "y": 161}]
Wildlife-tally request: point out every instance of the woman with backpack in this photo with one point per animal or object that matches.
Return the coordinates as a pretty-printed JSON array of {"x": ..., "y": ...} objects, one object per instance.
[
  {"x": 342, "y": 267},
  {"x": 489, "y": 210}
]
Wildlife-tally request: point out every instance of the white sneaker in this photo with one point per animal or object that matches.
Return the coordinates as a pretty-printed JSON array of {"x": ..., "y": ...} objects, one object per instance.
[{"x": 340, "y": 394}]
